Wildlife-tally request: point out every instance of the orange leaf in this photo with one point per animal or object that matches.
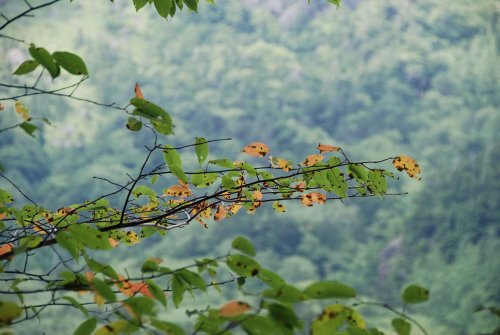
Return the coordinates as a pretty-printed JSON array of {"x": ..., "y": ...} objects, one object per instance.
[
  {"x": 114, "y": 243},
  {"x": 5, "y": 248},
  {"x": 220, "y": 213},
  {"x": 408, "y": 164},
  {"x": 256, "y": 149},
  {"x": 300, "y": 187},
  {"x": 235, "y": 208},
  {"x": 326, "y": 148},
  {"x": 129, "y": 288},
  {"x": 233, "y": 308},
  {"x": 312, "y": 159},
  {"x": 138, "y": 92},
  {"x": 3, "y": 215},
  {"x": 1, "y": 107},
  {"x": 181, "y": 191},
  {"x": 89, "y": 276},
  {"x": 311, "y": 198}
]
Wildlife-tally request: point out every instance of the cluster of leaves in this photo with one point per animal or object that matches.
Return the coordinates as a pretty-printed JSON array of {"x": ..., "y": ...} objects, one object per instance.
[
  {"x": 53, "y": 63},
  {"x": 168, "y": 8}
]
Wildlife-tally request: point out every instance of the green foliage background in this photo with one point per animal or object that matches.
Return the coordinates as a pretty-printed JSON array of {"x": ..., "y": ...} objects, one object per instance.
[{"x": 377, "y": 78}]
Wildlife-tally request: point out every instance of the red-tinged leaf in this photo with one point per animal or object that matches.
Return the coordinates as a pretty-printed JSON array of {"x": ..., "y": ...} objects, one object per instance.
[
  {"x": 313, "y": 197},
  {"x": 233, "y": 308},
  {"x": 326, "y": 148},
  {"x": 312, "y": 159},
  {"x": 5, "y": 248},
  {"x": 129, "y": 288},
  {"x": 256, "y": 149},
  {"x": 138, "y": 92},
  {"x": 221, "y": 213}
]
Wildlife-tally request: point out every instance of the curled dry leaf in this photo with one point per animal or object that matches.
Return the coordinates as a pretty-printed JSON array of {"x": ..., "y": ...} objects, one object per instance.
[
  {"x": 256, "y": 149},
  {"x": 326, "y": 148},
  {"x": 408, "y": 164},
  {"x": 233, "y": 308}
]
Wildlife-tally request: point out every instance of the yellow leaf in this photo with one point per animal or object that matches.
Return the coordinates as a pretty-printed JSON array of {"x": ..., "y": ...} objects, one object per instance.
[
  {"x": 99, "y": 300},
  {"x": 256, "y": 149},
  {"x": 131, "y": 238},
  {"x": 22, "y": 111},
  {"x": 279, "y": 207},
  {"x": 138, "y": 92},
  {"x": 312, "y": 159},
  {"x": 408, "y": 164},
  {"x": 233, "y": 308}
]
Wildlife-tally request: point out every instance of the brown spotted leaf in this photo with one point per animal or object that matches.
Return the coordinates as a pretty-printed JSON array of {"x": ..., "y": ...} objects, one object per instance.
[
  {"x": 326, "y": 148},
  {"x": 312, "y": 159},
  {"x": 256, "y": 149},
  {"x": 408, "y": 164}
]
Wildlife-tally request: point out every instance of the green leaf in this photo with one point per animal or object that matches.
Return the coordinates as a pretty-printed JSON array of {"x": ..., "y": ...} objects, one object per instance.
[
  {"x": 228, "y": 183},
  {"x": 143, "y": 190},
  {"x": 259, "y": 325},
  {"x": 193, "y": 279},
  {"x": 87, "y": 327},
  {"x": 358, "y": 172},
  {"x": 8, "y": 312},
  {"x": 284, "y": 316},
  {"x": 329, "y": 289},
  {"x": 157, "y": 292},
  {"x": 329, "y": 321},
  {"x": 271, "y": 278},
  {"x": 134, "y": 124},
  {"x": 103, "y": 289},
  {"x": 243, "y": 265},
  {"x": 201, "y": 149},
  {"x": 43, "y": 57},
  {"x": 141, "y": 305},
  {"x": 66, "y": 241},
  {"x": 377, "y": 184},
  {"x": 401, "y": 326},
  {"x": 224, "y": 162},
  {"x": 153, "y": 112},
  {"x": 179, "y": 173},
  {"x": 70, "y": 62},
  {"x": 149, "y": 265},
  {"x": 138, "y": 4},
  {"x": 200, "y": 179},
  {"x": 178, "y": 289},
  {"x": 28, "y": 128},
  {"x": 167, "y": 327},
  {"x": 29, "y": 242},
  {"x": 105, "y": 269},
  {"x": 163, "y": 7},
  {"x": 5, "y": 197},
  {"x": 338, "y": 184},
  {"x": 415, "y": 294},
  {"x": 244, "y": 245},
  {"x": 89, "y": 236},
  {"x": 26, "y": 67},
  {"x": 76, "y": 304},
  {"x": 171, "y": 156},
  {"x": 286, "y": 293},
  {"x": 192, "y": 4}
]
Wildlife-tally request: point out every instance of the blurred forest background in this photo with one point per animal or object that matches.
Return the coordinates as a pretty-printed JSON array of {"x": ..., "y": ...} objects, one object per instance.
[{"x": 378, "y": 78}]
